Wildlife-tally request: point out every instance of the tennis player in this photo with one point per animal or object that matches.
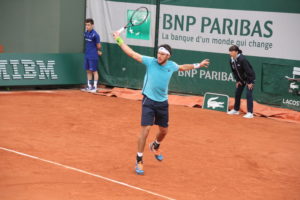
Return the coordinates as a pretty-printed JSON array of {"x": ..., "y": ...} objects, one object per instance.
[
  {"x": 92, "y": 51},
  {"x": 244, "y": 76},
  {"x": 155, "y": 108}
]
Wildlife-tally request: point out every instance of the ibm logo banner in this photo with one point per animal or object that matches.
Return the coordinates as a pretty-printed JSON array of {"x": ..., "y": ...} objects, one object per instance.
[{"x": 27, "y": 69}]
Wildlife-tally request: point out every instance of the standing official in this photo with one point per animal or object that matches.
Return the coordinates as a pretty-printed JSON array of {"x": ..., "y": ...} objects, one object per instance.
[{"x": 244, "y": 76}]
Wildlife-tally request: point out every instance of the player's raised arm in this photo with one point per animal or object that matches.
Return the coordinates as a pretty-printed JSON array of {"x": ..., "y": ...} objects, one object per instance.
[
  {"x": 136, "y": 56},
  {"x": 185, "y": 67}
]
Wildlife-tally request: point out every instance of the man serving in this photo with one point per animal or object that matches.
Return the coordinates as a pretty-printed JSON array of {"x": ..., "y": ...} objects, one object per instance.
[{"x": 155, "y": 107}]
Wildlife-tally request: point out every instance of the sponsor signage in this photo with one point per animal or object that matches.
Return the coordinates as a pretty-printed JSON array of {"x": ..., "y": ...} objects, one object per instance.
[{"x": 214, "y": 101}]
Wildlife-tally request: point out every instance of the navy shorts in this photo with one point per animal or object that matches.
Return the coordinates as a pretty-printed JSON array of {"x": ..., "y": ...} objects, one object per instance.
[
  {"x": 154, "y": 112},
  {"x": 91, "y": 64}
]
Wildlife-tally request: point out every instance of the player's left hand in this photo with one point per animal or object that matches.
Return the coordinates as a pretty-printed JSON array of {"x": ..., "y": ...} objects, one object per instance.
[
  {"x": 204, "y": 63},
  {"x": 100, "y": 53}
]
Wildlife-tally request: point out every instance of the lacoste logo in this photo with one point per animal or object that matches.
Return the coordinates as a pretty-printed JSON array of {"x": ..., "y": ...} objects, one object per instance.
[
  {"x": 294, "y": 81},
  {"x": 294, "y": 86},
  {"x": 211, "y": 103}
]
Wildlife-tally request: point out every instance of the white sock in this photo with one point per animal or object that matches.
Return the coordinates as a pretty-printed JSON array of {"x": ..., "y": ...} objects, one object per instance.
[
  {"x": 89, "y": 83},
  {"x": 140, "y": 154},
  {"x": 157, "y": 142},
  {"x": 95, "y": 84}
]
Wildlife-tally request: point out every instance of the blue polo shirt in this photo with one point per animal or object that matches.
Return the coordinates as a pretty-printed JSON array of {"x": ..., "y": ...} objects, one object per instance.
[
  {"x": 157, "y": 78},
  {"x": 91, "y": 40}
]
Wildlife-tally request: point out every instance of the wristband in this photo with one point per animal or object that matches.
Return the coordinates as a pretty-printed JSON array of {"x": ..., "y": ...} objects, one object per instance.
[
  {"x": 196, "y": 65},
  {"x": 119, "y": 41}
]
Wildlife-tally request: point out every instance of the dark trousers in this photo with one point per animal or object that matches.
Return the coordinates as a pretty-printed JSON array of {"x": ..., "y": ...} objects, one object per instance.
[{"x": 238, "y": 95}]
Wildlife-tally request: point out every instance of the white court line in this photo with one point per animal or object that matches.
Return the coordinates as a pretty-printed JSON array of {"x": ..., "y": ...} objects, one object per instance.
[
  {"x": 26, "y": 91},
  {"x": 85, "y": 172}
]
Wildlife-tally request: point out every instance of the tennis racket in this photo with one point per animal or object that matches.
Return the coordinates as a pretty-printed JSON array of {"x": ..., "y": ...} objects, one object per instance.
[{"x": 138, "y": 17}]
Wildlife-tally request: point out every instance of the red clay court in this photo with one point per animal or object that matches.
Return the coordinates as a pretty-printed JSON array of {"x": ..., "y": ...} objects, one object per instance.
[{"x": 73, "y": 145}]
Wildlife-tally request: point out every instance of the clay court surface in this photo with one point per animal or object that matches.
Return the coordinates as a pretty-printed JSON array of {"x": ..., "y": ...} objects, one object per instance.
[{"x": 208, "y": 155}]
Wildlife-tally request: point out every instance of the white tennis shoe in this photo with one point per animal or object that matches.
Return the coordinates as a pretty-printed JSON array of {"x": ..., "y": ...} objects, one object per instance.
[
  {"x": 87, "y": 89},
  {"x": 233, "y": 112},
  {"x": 249, "y": 115},
  {"x": 93, "y": 90}
]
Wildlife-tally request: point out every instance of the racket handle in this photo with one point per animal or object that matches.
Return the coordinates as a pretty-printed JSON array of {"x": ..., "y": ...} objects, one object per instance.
[{"x": 121, "y": 30}]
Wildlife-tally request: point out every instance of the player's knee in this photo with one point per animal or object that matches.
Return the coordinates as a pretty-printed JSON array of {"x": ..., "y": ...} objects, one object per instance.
[
  {"x": 163, "y": 131},
  {"x": 146, "y": 129}
]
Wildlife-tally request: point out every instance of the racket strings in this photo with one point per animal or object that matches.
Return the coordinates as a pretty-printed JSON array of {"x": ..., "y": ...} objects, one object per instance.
[{"x": 139, "y": 16}]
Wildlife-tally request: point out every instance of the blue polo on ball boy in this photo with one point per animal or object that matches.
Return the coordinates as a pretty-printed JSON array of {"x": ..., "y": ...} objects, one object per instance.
[{"x": 155, "y": 107}]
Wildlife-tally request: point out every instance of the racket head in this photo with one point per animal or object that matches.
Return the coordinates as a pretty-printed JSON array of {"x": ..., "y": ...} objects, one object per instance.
[{"x": 138, "y": 17}]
